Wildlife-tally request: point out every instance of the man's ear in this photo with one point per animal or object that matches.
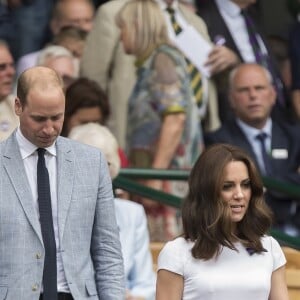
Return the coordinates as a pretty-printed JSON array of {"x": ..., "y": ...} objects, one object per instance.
[
  {"x": 273, "y": 95},
  {"x": 18, "y": 106}
]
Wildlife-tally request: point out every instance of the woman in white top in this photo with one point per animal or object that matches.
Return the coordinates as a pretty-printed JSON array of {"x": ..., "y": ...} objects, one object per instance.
[{"x": 224, "y": 253}]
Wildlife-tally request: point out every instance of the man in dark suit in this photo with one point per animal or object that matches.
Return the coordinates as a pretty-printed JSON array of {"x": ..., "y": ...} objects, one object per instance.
[
  {"x": 229, "y": 23},
  {"x": 252, "y": 98},
  {"x": 59, "y": 237}
]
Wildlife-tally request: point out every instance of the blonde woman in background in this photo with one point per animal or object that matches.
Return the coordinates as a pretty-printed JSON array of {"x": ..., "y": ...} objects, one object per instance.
[{"x": 163, "y": 129}]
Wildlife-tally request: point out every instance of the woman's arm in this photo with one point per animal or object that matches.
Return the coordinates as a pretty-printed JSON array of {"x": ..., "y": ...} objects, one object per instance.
[
  {"x": 278, "y": 285},
  {"x": 169, "y": 139},
  {"x": 166, "y": 88},
  {"x": 169, "y": 285}
]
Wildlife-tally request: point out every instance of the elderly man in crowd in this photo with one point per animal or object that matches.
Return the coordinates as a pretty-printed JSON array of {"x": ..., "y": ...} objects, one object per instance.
[
  {"x": 8, "y": 120},
  {"x": 274, "y": 145}
]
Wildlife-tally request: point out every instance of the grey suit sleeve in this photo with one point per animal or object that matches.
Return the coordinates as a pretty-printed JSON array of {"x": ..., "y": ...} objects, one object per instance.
[{"x": 105, "y": 244}]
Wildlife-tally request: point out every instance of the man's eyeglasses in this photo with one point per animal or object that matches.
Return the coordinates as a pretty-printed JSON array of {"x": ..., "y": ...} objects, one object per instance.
[{"x": 4, "y": 66}]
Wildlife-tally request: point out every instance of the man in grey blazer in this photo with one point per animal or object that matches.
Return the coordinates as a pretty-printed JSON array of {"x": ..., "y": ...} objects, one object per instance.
[{"x": 89, "y": 260}]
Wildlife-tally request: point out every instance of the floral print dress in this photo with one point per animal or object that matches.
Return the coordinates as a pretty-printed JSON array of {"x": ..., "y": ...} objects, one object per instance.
[{"x": 163, "y": 88}]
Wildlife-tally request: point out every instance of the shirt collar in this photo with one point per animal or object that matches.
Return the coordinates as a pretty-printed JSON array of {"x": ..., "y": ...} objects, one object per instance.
[
  {"x": 252, "y": 132},
  {"x": 228, "y": 7},
  {"x": 163, "y": 5},
  {"x": 27, "y": 148}
]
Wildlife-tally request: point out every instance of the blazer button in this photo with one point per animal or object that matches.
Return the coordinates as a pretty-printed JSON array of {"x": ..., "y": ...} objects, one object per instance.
[
  {"x": 35, "y": 287},
  {"x": 38, "y": 256}
]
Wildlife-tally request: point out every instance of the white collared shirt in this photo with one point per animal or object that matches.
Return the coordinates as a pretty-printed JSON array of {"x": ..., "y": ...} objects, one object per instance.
[
  {"x": 251, "y": 135},
  {"x": 29, "y": 156},
  {"x": 178, "y": 16},
  {"x": 235, "y": 22}
]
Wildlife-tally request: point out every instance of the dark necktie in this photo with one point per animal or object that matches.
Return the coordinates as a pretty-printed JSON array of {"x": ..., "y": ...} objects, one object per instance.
[
  {"x": 46, "y": 220},
  {"x": 261, "y": 137},
  {"x": 261, "y": 57},
  {"x": 195, "y": 75}
]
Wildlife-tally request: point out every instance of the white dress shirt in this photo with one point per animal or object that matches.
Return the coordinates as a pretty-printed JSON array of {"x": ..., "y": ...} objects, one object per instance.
[
  {"x": 235, "y": 22},
  {"x": 178, "y": 16},
  {"x": 30, "y": 157}
]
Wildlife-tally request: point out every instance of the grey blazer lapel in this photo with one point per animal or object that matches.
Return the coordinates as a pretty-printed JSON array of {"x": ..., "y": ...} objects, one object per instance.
[
  {"x": 14, "y": 166},
  {"x": 65, "y": 181}
]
